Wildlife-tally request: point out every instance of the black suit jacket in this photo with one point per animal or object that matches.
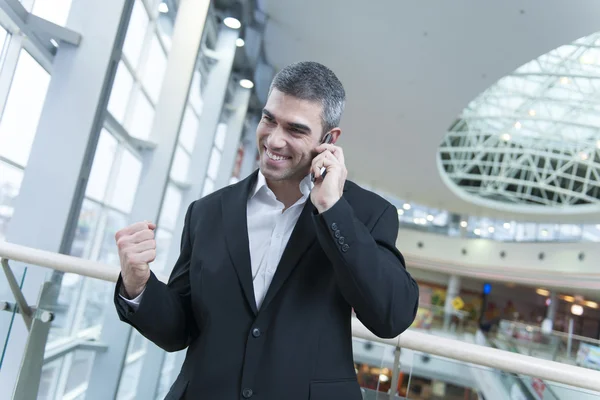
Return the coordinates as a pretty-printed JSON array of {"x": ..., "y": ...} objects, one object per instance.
[{"x": 298, "y": 346}]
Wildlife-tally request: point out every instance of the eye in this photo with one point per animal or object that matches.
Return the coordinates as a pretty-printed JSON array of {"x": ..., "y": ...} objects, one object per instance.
[{"x": 266, "y": 118}]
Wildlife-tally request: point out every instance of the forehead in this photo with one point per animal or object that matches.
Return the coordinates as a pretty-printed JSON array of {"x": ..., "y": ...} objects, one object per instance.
[{"x": 293, "y": 109}]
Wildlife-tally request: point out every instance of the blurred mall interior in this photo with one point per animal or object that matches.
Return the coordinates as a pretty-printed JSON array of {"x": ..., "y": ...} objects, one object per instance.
[{"x": 479, "y": 121}]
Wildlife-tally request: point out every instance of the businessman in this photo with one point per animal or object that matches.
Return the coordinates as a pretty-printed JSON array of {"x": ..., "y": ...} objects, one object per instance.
[{"x": 271, "y": 267}]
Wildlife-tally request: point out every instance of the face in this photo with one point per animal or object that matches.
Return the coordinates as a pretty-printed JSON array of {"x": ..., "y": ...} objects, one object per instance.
[{"x": 288, "y": 132}]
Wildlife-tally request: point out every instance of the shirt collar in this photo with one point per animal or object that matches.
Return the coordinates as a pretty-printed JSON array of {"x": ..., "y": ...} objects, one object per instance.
[{"x": 306, "y": 185}]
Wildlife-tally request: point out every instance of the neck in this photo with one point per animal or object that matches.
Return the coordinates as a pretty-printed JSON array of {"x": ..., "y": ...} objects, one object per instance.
[{"x": 286, "y": 191}]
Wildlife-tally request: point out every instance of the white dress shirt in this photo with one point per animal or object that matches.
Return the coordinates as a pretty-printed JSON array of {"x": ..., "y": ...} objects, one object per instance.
[{"x": 269, "y": 230}]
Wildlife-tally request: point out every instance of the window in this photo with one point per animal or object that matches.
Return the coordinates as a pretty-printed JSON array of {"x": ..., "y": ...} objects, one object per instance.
[
  {"x": 55, "y": 11},
  {"x": 23, "y": 109}
]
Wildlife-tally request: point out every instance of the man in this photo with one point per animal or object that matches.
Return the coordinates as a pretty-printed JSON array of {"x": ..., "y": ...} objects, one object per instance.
[{"x": 271, "y": 267}]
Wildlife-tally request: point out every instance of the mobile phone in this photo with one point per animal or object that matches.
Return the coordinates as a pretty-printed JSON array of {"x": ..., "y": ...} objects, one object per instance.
[{"x": 326, "y": 139}]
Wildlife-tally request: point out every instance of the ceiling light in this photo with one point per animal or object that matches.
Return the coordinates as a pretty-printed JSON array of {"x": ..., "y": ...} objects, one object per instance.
[
  {"x": 586, "y": 59},
  {"x": 400, "y": 211},
  {"x": 506, "y": 225},
  {"x": 464, "y": 224},
  {"x": 568, "y": 299},
  {"x": 491, "y": 229},
  {"x": 416, "y": 221},
  {"x": 383, "y": 378},
  {"x": 163, "y": 8},
  {"x": 532, "y": 112},
  {"x": 430, "y": 218},
  {"x": 505, "y": 137},
  {"x": 591, "y": 304},
  {"x": 542, "y": 292},
  {"x": 518, "y": 125},
  {"x": 239, "y": 42},
  {"x": 406, "y": 206},
  {"x": 564, "y": 80},
  {"x": 423, "y": 221},
  {"x": 477, "y": 231},
  {"x": 54, "y": 42},
  {"x": 246, "y": 84},
  {"x": 584, "y": 156},
  {"x": 544, "y": 232},
  {"x": 232, "y": 23},
  {"x": 576, "y": 309}
]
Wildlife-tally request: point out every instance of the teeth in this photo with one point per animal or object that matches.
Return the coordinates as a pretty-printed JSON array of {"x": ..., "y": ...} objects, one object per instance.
[{"x": 274, "y": 157}]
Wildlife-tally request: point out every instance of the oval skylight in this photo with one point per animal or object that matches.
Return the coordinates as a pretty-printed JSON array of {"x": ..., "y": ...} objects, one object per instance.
[{"x": 531, "y": 142}]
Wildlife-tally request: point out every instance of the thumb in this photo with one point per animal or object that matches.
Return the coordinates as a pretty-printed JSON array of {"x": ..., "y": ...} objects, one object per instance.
[{"x": 151, "y": 225}]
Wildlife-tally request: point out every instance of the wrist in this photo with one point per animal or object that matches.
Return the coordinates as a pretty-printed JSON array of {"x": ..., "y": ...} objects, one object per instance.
[
  {"x": 131, "y": 291},
  {"x": 326, "y": 205}
]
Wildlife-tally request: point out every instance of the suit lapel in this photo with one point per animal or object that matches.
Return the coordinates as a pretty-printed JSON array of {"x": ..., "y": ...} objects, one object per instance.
[
  {"x": 300, "y": 240},
  {"x": 235, "y": 223}
]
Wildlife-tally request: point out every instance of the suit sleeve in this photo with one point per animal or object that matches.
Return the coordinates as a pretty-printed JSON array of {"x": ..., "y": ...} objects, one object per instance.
[
  {"x": 164, "y": 315},
  {"x": 369, "y": 269}
]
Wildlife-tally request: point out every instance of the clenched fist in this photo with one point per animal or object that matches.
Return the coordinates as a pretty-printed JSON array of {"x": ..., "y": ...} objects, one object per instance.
[{"x": 137, "y": 248}]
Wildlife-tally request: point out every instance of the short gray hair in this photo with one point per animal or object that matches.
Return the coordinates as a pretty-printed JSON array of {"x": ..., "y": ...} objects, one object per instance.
[{"x": 309, "y": 80}]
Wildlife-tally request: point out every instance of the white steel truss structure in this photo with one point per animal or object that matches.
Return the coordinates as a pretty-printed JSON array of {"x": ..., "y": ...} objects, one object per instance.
[{"x": 531, "y": 142}]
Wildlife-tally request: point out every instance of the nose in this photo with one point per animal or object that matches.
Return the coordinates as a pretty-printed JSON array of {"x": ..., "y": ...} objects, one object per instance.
[{"x": 276, "y": 139}]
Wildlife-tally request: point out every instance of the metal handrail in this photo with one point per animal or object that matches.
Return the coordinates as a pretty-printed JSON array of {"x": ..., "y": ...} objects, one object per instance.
[
  {"x": 418, "y": 341},
  {"x": 562, "y": 335}
]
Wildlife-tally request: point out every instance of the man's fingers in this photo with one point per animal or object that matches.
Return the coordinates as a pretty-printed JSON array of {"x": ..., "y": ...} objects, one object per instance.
[
  {"x": 147, "y": 256},
  {"x": 125, "y": 242},
  {"x": 134, "y": 228},
  {"x": 143, "y": 246},
  {"x": 325, "y": 160}
]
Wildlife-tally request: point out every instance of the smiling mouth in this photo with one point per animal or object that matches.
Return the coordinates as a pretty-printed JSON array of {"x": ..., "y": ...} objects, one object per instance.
[{"x": 275, "y": 157}]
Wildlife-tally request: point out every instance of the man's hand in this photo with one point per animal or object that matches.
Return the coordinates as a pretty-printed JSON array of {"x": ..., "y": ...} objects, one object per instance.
[
  {"x": 137, "y": 248},
  {"x": 327, "y": 191}
]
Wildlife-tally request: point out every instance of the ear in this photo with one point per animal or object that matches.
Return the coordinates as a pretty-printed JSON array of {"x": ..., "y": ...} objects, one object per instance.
[{"x": 335, "y": 134}]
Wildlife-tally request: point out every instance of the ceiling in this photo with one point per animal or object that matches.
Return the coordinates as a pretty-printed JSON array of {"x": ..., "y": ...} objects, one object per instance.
[{"x": 410, "y": 68}]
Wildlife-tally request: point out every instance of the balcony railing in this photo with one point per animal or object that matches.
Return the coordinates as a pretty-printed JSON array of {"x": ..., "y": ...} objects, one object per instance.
[{"x": 481, "y": 357}]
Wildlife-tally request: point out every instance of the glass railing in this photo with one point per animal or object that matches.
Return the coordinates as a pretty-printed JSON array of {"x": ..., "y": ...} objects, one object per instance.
[
  {"x": 414, "y": 365},
  {"x": 556, "y": 346}
]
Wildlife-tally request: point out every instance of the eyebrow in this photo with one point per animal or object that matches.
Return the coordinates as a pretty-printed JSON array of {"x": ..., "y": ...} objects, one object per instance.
[{"x": 295, "y": 125}]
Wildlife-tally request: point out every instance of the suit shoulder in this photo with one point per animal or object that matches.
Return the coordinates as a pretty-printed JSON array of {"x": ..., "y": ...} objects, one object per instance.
[{"x": 362, "y": 196}]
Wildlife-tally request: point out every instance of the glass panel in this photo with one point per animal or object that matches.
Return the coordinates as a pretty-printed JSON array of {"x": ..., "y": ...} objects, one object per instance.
[
  {"x": 170, "y": 208},
  {"x": 189, "y": 130},
  {"x": 129, "y": 380},
  {"x": 120, "y": 92},
  {"x": 142, "y": 118},
  {"x": 209, "y": 187},
  {"x": 102, "y": 166},
  {"x": 10, "y": 184},
  {"x": 49, "y": 380},
  {"x": 127, "y": 181},
  {"x": 155, "y": 69},
  {"x": 86, "y": 226},
  {"x": 79, "y": 370},
  {"x": 23, "y": 109},
  {"x": 108, "y": 249},
  {"x": 181, "y": 165},
  {"x": 195, "y": 97},
  {"x": 220, "y": 136},
  {"x": 167, "y": 375},
  {"x": 55, "y": 11},
  {"x": 214, "y": 163},
  {"x": 136, "y": 31},
  {"x": 163, "y": 244}
]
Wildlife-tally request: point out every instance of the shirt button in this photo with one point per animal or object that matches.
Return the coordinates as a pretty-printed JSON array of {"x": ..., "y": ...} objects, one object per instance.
[
  {"x": 256, "y": 332},
  {"x": 247, "y": 393},
  {"x": 334, "y": 226}
]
